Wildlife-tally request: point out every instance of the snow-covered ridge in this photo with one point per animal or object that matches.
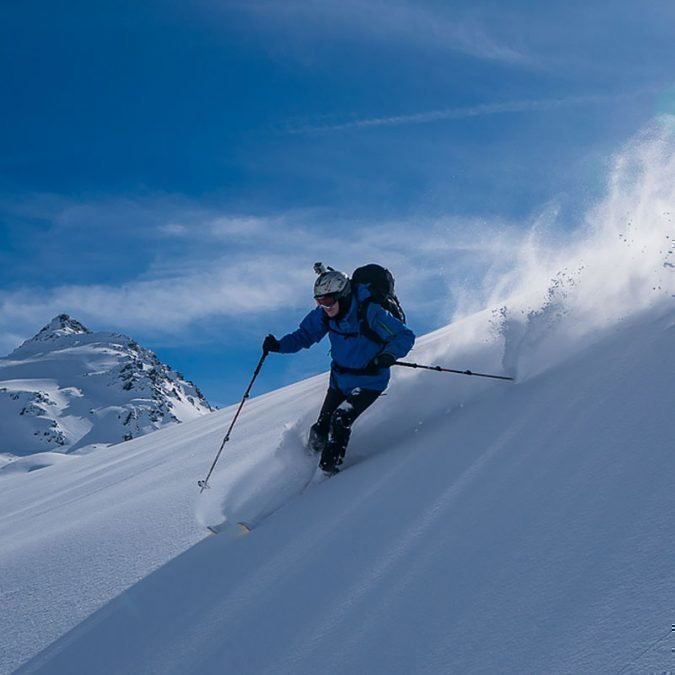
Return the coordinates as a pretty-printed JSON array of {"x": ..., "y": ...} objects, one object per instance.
[{"x": 68, "y": 388}]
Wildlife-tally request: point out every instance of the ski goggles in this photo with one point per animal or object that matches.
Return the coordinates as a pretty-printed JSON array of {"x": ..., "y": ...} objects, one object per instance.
[{"x": 326, "y": 300}]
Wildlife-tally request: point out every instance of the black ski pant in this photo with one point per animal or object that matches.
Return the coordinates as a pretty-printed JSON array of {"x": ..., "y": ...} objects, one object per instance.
[{"x": 334, "y": 424}]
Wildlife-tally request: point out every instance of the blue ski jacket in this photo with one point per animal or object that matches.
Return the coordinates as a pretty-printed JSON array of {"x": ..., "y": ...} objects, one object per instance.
[{"x": 351, "y": 350}]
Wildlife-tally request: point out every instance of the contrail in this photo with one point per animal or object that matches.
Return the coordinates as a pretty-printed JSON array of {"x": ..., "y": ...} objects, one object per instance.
[{"x": 465, "y": 112}]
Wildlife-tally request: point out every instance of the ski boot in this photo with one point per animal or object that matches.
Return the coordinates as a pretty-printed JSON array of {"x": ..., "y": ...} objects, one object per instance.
[{"x": 317, "y": 441}]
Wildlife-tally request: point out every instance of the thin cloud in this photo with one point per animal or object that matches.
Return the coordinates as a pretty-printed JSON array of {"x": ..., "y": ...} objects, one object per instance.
[
  {"x": 465, "y": 112},
  {"x": 441, "y": 265},
  {"x": 395, "y": 22},
  {"x": 167, "y": 305},
  {"x": 223, "y": 273}
]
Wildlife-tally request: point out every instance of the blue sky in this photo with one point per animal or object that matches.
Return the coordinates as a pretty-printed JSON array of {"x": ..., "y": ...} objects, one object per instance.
[{"x": 172, "y": 170}]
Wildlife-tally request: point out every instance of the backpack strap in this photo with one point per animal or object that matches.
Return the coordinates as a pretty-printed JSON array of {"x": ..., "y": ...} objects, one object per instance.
[
  {"x": 351, "y": 371},
  {"x": 394, "y": 308},
  {"x": 329, "y": 327},
  {"x": 364, "y": 326}
]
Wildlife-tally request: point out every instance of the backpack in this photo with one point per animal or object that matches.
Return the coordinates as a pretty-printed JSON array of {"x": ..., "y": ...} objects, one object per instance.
[{"x": 380, "y": 281}]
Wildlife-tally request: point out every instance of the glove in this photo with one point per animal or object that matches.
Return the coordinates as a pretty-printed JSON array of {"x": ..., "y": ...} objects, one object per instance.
[
  {"x": 271, "y": 344},
  {"x": 383, "y": 360}
]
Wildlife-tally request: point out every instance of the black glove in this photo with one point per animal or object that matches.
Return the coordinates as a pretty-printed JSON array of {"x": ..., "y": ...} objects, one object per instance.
[
  {"x": 383, "y": 360},
  {"x": 271, "y": 344}
]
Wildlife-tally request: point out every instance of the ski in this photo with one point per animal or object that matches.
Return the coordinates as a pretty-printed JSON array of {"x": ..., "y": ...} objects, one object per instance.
[{"x": 242, "y": 528}]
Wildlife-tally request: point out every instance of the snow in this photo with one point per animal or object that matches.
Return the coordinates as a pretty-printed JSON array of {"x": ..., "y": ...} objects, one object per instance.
[
  {"x": 68, "y": 389},
  {"x": 479, "y": 526}
]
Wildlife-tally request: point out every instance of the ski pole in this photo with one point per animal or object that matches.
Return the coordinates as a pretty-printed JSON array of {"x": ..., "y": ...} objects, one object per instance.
[
  {"x": 203, "y": 484},
  {"x": 450, "y": 370}
]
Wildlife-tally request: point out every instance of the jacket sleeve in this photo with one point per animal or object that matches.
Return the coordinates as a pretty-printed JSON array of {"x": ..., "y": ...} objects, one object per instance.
[
  {"x": 398, "y": 338},
  {"x": 312, "y": 328}
]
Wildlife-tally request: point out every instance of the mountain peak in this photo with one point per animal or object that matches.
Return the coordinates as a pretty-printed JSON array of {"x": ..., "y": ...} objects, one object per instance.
[
  {"x": 61, "y": 326},
  {"x": 68, "y": 387}
]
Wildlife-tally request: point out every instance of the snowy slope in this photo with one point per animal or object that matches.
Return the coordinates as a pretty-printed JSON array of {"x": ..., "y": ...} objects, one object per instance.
[
  {"x": 479, "y": 527},
  {"x": 69, "y": 389},
  {"x": 524, "y": 529}
]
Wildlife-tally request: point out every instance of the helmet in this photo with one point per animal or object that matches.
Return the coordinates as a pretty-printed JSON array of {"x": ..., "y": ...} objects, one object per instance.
[{"x": 331, "y": 282}]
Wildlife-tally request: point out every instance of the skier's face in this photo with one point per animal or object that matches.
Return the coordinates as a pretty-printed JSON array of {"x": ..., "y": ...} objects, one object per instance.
[{"x": 329, "y": 304}]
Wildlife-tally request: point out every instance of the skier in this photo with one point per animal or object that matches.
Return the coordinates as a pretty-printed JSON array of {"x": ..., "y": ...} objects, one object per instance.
[{"x": 364, "y": 346}]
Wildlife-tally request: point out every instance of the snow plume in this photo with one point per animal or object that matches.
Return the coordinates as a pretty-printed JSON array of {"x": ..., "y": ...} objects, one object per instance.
[
  {"x": 253, "y": 483},
  {"x": 548, "y": 292}
]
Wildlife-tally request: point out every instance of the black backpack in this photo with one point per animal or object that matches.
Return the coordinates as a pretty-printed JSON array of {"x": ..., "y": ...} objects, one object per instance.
[{"x": 380, "y": 282}]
